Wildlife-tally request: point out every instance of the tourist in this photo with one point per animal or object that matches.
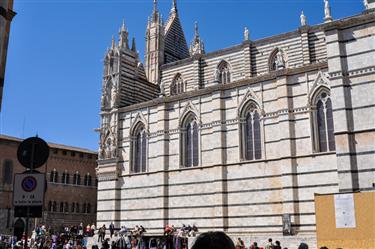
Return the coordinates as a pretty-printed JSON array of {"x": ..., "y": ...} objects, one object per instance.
[
  {"x": 277, "y": 245},
  {"x": 213, "y": 240},
  {"x": 269, "y": 244},
  {"x": 303, "y": 246},
  {"x": 111, "y": 229},
  {"x": 240, "y": 244},
  {"x": 254, "y": 246},
  {"x": 80, "y": 229}
]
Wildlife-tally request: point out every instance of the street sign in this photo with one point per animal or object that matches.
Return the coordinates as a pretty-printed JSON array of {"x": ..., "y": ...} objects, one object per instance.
[
  {"x": 28, "y": 190},
  {"x": 33, "y": 152}
]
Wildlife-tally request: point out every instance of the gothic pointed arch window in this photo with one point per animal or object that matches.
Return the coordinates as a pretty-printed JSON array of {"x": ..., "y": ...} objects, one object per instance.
[
  {"x": 322, "y": 118},
  {"x": 53, "y": 176},
  {"x": 178, "y": 85},
  {"x": 87, "y": 180},
  {"x": 276, "y": 60},
  {"x": 65, "y": 177},
  {"x": 54, "y": 206},
  {"x": 223, "y": 74},
  {"x": 139, "y": 149},
  {"x": 77, "y": 178},
  {"x": 190, "y": 142},
  {"x": 251, "y": 133}
]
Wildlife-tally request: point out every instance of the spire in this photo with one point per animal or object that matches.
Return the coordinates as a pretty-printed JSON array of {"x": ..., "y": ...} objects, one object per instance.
[
  {"x": 197, "y": 45},
  {"x": 155, "y": 11},
  {"x": 123, "y": 33},
  {"x": 113, "y": 43},
  {"x": 174, "y": 6},
  {"x": 327, "y": 11},
  {"x": 196, "y": 30},
  {"x": 134, "y": 48},
  {"x": 303, "y": 19},
  {"x": 123, "y": 28}
]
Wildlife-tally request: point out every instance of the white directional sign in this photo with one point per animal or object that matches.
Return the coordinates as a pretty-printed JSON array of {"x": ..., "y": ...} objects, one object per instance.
[{"x": 28, "y": 189}]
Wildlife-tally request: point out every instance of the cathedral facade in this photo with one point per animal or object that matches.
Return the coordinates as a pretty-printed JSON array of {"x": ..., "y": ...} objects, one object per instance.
[{"x": 239, "y": 139}]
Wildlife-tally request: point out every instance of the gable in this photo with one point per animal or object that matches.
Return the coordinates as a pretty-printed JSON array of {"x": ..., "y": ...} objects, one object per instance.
[{"x": 175, "y": 43}]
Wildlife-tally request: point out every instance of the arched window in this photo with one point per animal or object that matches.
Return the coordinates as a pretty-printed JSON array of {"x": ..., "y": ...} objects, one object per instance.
[
  {"x": 77, "y": 207},
  {"x": 223, "y": 73},
  {"x": 139, "y": 147},
  {"x": 324, "y": 138},
  {"x": 276, "y": 60},
  {"x": 251, "y": 132},
  {"x": 87, "y": 180},
  {"x": 190, "y": 142},
  {"x": 8, "y": 172},
  {"x": 50, "y": 206},
  {"x": 61, "y": 207},
  {"x": 53, "y": 176},
  {"x": 66, "y": 207},
  {"x": 73, "y": 207},
  {"x": 177, "y": 85},
  {"x": 84, "y": 208},
  {"x": 88, "y": 208},
  {"x": 54, "y": 206},
  {"x": 65, "y": 177},
  {"x": 77, "y": 178}
]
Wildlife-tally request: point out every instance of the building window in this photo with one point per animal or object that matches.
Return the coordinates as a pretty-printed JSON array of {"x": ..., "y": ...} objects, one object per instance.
[
  {"x": 87, "y": 180},
  {"x": 7, "y": 172},
  {"x": 190, "y": 142},
  {"x": 178, "y": 85},
  {"x": 223, "y": 75},
  {"x": 54, "y": 206},
  {"x": 139, "y": 147},
  {"x": 77, "y": 179},
  {"x": 65, "y": 177},
  {"x": 53, "y": 176},
  {"x": 61, "y": 207},
  {"x": 251, "y": 139},
  {"x": 64, "y": 152},
  {"x": 50, "y": 206},
  {"x": 84, "y": 208},
  {"x": 324, "y": 137},
  {"x": 66, "y": 207},
  {"x": 73, "y": 208},
  {"x": 276, "y": 60},
  {"x": 88, "y": 208},
  {"x": 77, "y": 207}
]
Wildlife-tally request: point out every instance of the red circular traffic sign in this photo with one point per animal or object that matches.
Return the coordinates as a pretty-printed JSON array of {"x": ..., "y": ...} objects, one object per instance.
[{"x": 29, "y": 184}]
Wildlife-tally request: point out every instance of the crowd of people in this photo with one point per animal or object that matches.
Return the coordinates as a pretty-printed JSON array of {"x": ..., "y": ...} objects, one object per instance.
[{"x": 76, "y": 237}]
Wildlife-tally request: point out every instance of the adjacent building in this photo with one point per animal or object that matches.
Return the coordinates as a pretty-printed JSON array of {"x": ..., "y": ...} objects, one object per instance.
[
  {"x": 6, "y": 16},
  {"x": 71, "y": 186},
  {"x": 238, "y": 139}
]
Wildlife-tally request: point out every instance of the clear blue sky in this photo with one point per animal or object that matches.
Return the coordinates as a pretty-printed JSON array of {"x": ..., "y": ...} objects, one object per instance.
[{"x": 54, "y": 70}]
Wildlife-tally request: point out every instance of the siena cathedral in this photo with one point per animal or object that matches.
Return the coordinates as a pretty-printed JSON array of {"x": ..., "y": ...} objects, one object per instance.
[{"x": 240, "y": 139}]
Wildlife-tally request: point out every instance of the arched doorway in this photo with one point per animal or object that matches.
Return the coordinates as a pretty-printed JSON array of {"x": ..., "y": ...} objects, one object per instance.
[{"x": 19, "y": 228}]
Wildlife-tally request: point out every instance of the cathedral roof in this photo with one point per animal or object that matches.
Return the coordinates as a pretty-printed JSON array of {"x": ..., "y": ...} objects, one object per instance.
[{"x": 175, "y": 43}]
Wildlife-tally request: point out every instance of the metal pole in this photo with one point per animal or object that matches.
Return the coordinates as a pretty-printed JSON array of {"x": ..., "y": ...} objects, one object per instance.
[{"x": 28, "y": 208}]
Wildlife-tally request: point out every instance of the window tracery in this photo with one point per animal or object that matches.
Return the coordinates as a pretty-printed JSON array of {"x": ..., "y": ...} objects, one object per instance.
[
  {"x": 324, "y": 138},
  {"x": 177, "y": 86}
]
